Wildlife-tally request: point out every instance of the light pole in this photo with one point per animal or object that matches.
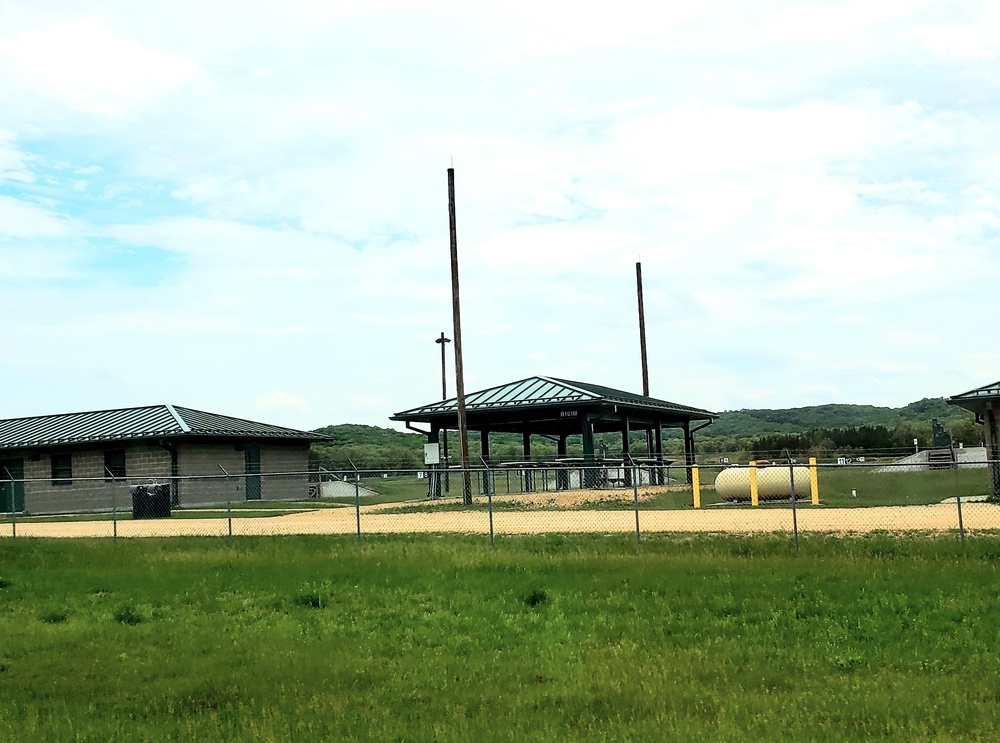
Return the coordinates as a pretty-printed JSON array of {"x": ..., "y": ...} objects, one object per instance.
[{"x": 444, "y": 396}]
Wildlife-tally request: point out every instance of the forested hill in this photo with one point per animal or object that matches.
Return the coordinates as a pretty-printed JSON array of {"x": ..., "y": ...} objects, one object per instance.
[
  {"x": 819, "y": 426},
  {"x": 748, "y": 423},
  {"x": 356, "y": 434}
]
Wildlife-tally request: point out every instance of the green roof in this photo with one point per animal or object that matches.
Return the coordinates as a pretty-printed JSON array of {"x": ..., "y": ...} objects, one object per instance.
[
  {"x": 129, "y": 424},
  {"x": 535, "y": 392},
  {"x": 976, "y": 399}
]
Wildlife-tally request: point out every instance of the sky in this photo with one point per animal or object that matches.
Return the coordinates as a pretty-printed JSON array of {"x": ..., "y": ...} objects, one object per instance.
[{"x": 242, "y": 206}]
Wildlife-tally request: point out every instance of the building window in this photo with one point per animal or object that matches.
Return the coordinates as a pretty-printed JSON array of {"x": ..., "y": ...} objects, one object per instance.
[
  {"x": 114, "y": 464},
  {"x": 62, "y": 469}
]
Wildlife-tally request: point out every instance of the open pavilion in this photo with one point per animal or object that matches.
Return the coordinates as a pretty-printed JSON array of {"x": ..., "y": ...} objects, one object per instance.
[{"x": 557, "y": 409}]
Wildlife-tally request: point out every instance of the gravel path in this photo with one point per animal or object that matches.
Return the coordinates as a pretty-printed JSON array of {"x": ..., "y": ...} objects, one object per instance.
[{"x": 737, "y": 520}]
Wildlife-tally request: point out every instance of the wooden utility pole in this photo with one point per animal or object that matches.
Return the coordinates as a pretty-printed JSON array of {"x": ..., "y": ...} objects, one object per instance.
[
  {"x": 642, "y": 349},
  {"x": 463, "y": 428}
]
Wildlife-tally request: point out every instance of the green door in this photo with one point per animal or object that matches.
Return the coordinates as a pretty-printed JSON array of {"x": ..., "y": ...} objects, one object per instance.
[
  {"x": 11, "y": 491},
  {"x": 251, "y": 460}
]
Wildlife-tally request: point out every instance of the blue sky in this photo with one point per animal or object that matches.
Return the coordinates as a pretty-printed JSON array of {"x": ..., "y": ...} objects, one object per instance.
[{"x": 242, "y": 206}]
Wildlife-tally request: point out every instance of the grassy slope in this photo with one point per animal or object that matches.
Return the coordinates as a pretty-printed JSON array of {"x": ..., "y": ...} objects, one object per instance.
[{"x": 546, "y": 639}]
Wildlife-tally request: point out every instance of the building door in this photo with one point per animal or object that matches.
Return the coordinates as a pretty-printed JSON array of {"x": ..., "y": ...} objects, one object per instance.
[
  {"x": 11, "y": 491},
  {"x": 251, "y": 461}
]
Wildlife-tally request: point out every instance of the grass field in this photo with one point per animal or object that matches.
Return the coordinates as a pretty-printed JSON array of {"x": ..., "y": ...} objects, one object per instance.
[
  {"x": 549, "y": 638},
  {"x": 842, "y": 487}
]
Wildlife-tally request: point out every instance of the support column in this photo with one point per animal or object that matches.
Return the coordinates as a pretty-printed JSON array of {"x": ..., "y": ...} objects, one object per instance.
[
  {"x": 562, "y": 475},
  {"x": 445, "y": 467},
  {"x": 589, "y": 463},
  {"x": 484, "y": 445},
  {"x": 626, "y": 463},
  {"x": 529, "y": 475},
  {"x": 688, "y": 449},
  {"x": 993, "y": 451},
  {"x": 434, "y": 471},
  {"x": 658, "y": 453}
]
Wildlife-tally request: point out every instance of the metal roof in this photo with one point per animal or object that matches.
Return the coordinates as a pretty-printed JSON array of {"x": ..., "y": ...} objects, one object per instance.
[
  {"x": 536, "y": 392},
  {"x": 976, "y": 399},
  {"x": 128, "y": 424}
]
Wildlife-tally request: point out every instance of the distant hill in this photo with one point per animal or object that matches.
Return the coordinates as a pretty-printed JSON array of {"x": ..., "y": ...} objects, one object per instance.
[
  {"x": 356, "y": 434},
  {"x": 734, "y": 430},
  {"x": 744, "y": 423}
]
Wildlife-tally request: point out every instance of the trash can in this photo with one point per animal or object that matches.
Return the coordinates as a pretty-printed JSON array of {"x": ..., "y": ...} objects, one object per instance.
[{"x": 151, "y": 501}]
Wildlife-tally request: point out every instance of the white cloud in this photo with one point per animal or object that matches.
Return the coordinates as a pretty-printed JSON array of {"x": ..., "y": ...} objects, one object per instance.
[
  {"x": 88, "y": 65},
  {"x": 19, "y": 219},
  {"x": 260, "y": 192}
]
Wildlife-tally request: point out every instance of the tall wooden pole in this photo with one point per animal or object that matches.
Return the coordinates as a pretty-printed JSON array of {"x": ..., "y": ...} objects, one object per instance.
[
  {"x": 463, "y": 428},
  {"x": 642, "y": 349}
]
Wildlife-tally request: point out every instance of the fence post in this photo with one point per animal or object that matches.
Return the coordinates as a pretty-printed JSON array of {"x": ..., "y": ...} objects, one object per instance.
[
  {"x": 635, "y": 497},
  {"x": 813, "y": 481},
  {"x": 13, "y": 503},
  {"x": 357, "y": 497},
  {"x": 795, "y": 515},
  {"x": 489, "y": 501},
  {"x": 114, "y": 504},
  {"x": 229, "y": 503},
  {"x": 958, "y": 495},
  {"x": 754, "y": 493},
  {"x": 696, "y": 485}
]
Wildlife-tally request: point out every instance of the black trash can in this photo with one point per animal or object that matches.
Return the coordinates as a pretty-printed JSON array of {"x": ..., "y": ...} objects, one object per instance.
[{"x": 151, "y": 501}]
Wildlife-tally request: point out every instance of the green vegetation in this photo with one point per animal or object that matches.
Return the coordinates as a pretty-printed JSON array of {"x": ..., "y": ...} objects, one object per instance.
[
  {"x": 820, "y": 430},
  {"x": 554, "y": 638}
]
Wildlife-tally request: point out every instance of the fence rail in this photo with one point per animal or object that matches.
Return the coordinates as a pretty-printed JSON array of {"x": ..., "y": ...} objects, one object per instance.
[{"x": 631, "y": 497}]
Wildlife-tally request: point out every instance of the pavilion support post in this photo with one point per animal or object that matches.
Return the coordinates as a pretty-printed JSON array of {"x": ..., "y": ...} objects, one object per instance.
[
  {"x": 529, "y": 475},
  {"x": 562, "y": 475},
  {"x": 658, "y": 439},
  {"x": 688, "y": 450},
  {"x": 626, "y": 454},
  {"x": 434, "y": 472},
  {"x": 993, "y": 451},
  {"x": 589, "y": 462},
  {"x": 484, "y": 445}
]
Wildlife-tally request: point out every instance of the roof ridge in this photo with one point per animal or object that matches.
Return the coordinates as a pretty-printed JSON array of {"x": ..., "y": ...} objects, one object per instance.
[
  {"x": 177, "y": 417},
  {"x": 575, "y": 386}
]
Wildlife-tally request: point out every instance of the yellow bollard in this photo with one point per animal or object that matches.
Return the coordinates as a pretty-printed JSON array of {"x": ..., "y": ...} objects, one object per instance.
[
  {"x": 754, "y": 494},
  {"x": 696, "y": 486},
  {"x": 814, "y": 481}
]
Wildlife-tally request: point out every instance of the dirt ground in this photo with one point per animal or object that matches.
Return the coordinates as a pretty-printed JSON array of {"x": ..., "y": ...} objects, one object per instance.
[{"x": 726, "y": 520}]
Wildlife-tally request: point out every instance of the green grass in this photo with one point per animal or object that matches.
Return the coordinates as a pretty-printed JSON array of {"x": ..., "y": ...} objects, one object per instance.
[
  {"x": 548, "y": 638},
  {"x": 892, "y": 488}
]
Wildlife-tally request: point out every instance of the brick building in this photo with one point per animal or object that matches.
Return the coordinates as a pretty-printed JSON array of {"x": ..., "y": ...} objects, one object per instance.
[{"x": 86, "y": 461}]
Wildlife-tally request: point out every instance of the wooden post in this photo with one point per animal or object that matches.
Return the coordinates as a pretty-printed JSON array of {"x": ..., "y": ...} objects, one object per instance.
[
  {"x": 814, "y": 481},
  {"x": 642, "y": 349},
  {"x": 463, "y": 427},
  {"x": 754, "y": 493},
  {"x": 696, "y": 486}
]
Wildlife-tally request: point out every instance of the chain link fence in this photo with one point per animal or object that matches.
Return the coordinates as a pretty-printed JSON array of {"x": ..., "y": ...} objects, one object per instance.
[{"x": 640, "y": 497}]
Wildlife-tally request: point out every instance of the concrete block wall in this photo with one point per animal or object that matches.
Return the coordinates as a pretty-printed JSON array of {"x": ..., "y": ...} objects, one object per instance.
[
  {"x": 203, "y": 461},
  {"x": 89, "y": 489},
  {"x": 284, "y": 459}
]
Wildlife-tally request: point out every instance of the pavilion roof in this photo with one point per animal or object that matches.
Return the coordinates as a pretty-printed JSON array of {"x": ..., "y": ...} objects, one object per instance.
[{"x": 537, "y": 393}]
